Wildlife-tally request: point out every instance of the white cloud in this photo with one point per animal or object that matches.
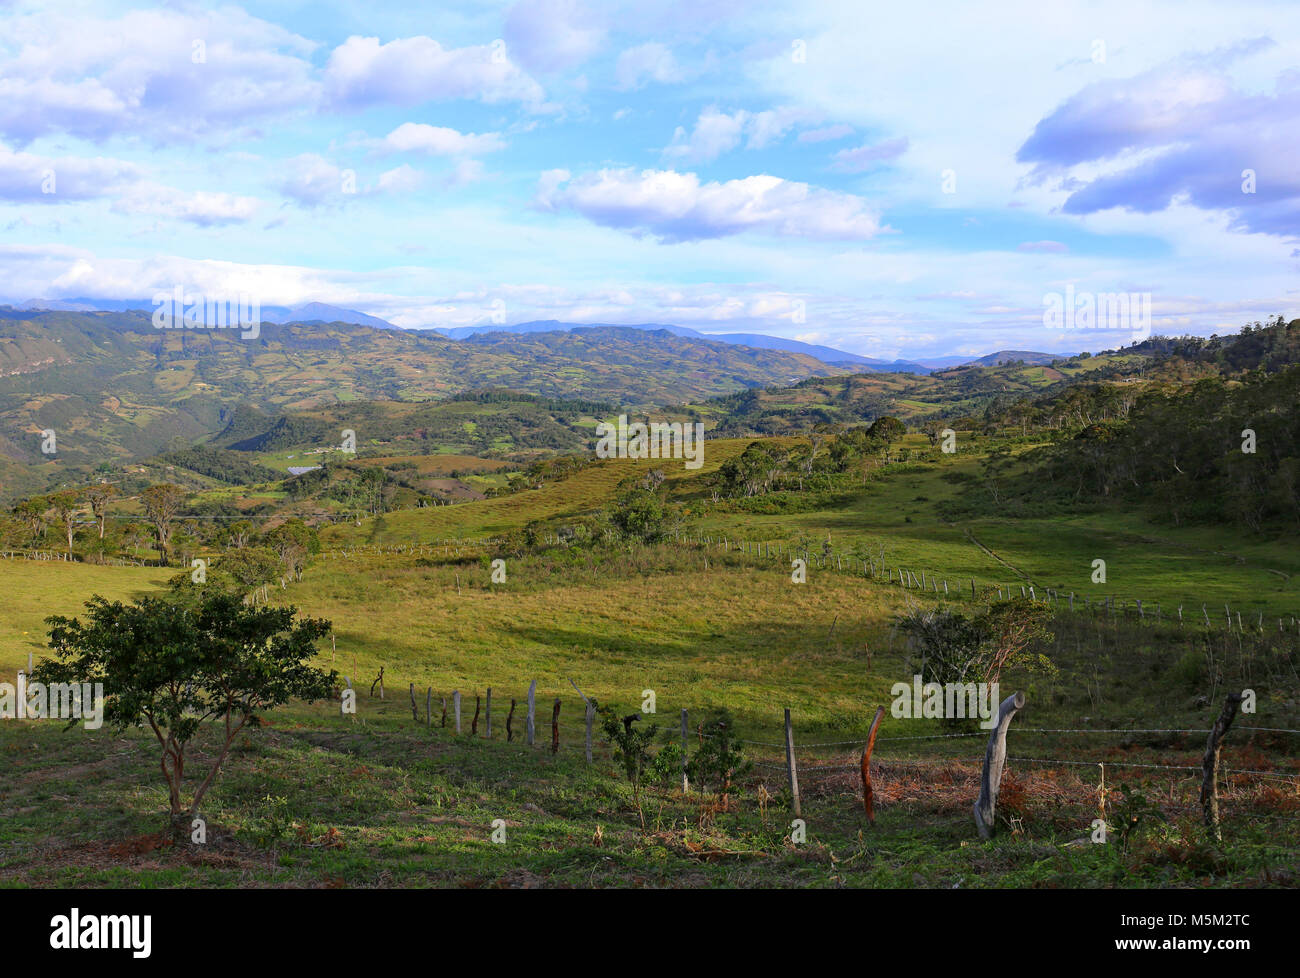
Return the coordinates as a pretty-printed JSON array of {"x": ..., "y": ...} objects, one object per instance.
[
  {"x": 312, "y": 180},
  {"x": 715, "y": 133},
  {"x": 203, "y": 208},
  {"x": 718, "y": 132},
  {"x": 414, "y": 70},
  {"x": 29, "y": 177},
  {"x": 677, "y": 207},
  {"x": 157, "y": 74},
  {"x": 401, "y": 179},
  {"x": 418, "y": 137}
]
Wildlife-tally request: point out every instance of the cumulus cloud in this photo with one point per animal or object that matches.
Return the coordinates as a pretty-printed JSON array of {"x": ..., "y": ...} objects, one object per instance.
[
  {"x": 417, "y": 137},
  {"x": 26, "y": 177},
  {"x": 414, "y": 70},
  {"x": 1178, "y": 133},
  {"x": 551, "y": 35},
  {"x": 718, "y": 132},
  {"x": 676, "y": 207},
  {"x": 313, "y": 181},
  {"x": 156, "y": 74},
  {"x": 203, "y": 208},
  {"x": 29, "y": 178}
]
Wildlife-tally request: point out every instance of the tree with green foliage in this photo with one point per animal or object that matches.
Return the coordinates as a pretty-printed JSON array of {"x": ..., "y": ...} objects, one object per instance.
[
  {"x": 99, "y": 496},
  {"x": 250, "y": 567},
  {"x": 161, "y": 504},
  {"x": 887, "y": 429},
  {"x": 65, "y": 506},
  {"x": 293, "y": 542},
  {"x": 180, "y": 664},
  {"x": 631, "y": 748},
  {"x": 957, "y": 649},
  {"x": 641, "y": 514},
  {"x": 720, "y": 760}
]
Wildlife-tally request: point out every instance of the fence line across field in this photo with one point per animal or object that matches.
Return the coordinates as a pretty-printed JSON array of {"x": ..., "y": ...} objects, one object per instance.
[{"x": 797, "y": 762}]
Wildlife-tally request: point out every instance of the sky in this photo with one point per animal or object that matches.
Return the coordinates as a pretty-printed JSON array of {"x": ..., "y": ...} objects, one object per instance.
[{"x": 891, "y": 179}]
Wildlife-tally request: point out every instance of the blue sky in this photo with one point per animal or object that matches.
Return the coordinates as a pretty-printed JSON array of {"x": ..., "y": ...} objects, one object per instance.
[{"x": 905, "y": 180}]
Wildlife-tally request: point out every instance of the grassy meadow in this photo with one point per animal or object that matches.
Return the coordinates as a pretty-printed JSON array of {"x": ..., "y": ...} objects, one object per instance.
[{"x": 316, "y": 798}]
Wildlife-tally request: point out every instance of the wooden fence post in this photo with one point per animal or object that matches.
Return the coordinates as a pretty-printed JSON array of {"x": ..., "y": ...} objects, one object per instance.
[
  {"x": 510, "y": 719},
  {"x": 555, "y": 727},
  {"x": 414, "y": 710},
  {"x": 444, "y": 712},
  {"x": 995, "y": 756},
  {"x": 867, "y": 793},
  {"x": 685, "y": 781},
  {"x": 591, "y": 716},
  {"x": 531, "y": 725},
  {"x": 473, "y": 726},
  {"x": 455, "y": 702},
  {"x": 1210, "y": 765},
  {"x": 790, "y": 764}
]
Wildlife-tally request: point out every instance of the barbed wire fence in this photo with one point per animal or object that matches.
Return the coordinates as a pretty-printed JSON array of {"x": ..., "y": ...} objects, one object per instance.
[{"x": 830, "y": 771}]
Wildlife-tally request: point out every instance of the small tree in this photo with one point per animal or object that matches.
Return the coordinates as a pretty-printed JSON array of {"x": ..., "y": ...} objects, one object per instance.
[
  {"x": 250, "y": 567},
  {"x": 950, "y": 645},
  {"x": 956, "y": 649},
  {"x": 1012, "y": 627},
  {"x": 66, "y": 505},
  {"x": 641, "y": 515},
  {"x": 99, "y": 496},
  {"x": 719, "y": 760},
  {"x": 176, "y": 665},
  {"x": 631, "y": 747},
  {"x": 161, "y": 504}
]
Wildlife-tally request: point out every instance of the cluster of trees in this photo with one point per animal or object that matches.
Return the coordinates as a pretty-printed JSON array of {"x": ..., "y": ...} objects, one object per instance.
[
  {"x": 1210, "y": 452},
  {"x": 79, "y": 521},
  {"x": 715, "y": 766},
  {"x": 822, "y": 462}
]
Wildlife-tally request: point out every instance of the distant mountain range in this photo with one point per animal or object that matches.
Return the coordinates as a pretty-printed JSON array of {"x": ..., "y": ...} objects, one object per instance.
[
  {"x": 759, "y": 341},
  {"x": 310, "y": 312},
  {"x": 321, "y": 312}
]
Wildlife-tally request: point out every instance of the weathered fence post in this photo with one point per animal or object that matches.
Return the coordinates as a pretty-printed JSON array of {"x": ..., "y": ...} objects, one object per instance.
[
  {"x": 685, "y": 781},
  {"x": 1210, "y": 765},
  {"x": 455, "y": 702},
  {"x": 555, "y": 727},
  {"x": 510, "y": 719},
  {"x": 591, "y": 716},
  {"x": 444, "y": 712},
  {"x": 867, "y": 794},
  {"x": 531, "y": 724},
  {"x": 790, "y": 764},
  {"x": 473, "y": 725},
  {"x": 995, "y": 756},
  {"x": 415, "y": 715}
]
